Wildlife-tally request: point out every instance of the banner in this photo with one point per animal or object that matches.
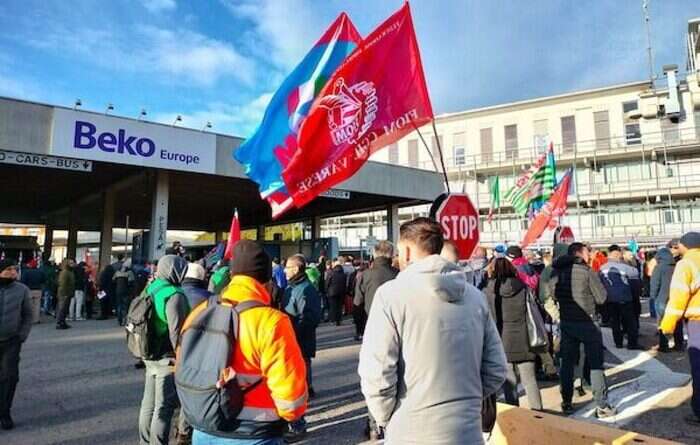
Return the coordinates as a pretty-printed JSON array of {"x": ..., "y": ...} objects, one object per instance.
[
  {"x": 554, "y": 208},
  {"x": 377, "y": 96},
  {"x": 267, "y": 152},
  {"x": 494, "y": 190}
]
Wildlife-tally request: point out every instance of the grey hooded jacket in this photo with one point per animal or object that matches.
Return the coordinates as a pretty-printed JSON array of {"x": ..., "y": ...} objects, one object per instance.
[
  {"x": 15, "y": 312},
  {"x": 431, "y": 354}
]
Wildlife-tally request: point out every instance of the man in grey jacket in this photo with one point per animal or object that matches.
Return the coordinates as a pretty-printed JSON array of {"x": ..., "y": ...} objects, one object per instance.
[
  {"x": 431, "y": 351},
  {"x": 15, "y": 324}
]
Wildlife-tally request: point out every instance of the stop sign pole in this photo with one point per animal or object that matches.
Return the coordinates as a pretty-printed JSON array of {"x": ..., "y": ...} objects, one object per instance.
[{"x": 459, "y": 220}]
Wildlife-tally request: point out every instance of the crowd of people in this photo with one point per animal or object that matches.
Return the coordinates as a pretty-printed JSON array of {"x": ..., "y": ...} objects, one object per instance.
[{"x": 440, "y": 338}]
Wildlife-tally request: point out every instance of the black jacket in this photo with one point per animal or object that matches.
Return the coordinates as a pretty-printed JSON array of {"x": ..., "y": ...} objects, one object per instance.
[
  {"x": 195, "y": 291},
  {"x": 576, "y": 288},
  {"x": 370, "y": 280},
  {"x": 336, "y": 286},
  {"x": 508, "y": 303}
]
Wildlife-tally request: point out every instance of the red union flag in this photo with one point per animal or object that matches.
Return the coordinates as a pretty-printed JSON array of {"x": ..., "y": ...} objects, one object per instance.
[
  {"x": 554, "y": 208},
  {"x": 377, "y": 96}
]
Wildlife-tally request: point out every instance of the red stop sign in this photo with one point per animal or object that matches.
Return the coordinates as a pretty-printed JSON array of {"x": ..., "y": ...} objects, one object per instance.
[{"x": 459, "y": 220}]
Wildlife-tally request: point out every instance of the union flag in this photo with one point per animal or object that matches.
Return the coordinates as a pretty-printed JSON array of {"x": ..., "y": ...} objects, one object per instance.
[{"x": 376, "y": 97}]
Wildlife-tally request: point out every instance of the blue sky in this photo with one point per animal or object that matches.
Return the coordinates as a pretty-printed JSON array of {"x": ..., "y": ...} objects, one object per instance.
[{"x": 220, "y": 60}]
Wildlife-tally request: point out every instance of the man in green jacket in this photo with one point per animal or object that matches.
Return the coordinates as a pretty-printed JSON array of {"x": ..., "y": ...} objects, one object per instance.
[{"x": 159, "y": 393}]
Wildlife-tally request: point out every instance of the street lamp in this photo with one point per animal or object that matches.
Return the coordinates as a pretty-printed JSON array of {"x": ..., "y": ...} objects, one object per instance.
[
  {"x": 142, "y": 114},
  {"x": 207, "y": 126},
  {"x": 177, "y": 119},
  {"x": 110, "y": 107},
  {"x": 78, "y": 103}
]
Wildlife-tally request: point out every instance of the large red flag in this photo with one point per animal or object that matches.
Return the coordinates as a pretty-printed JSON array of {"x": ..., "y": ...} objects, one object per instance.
[
  {"x": 234, "y": 236},
  {"x": 554, "y": 208},
  {"x": 377, "y": 96}
]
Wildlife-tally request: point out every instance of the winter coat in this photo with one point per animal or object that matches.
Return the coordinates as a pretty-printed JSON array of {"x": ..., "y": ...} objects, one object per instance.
[
  {"x": 105, "y": 280},
  {"x": 15, "y": 311},
  {"x": 684, "y": 298},
  {"x": 303, "y": 305},
  {"x": 508, "y": 304},
  {"x": 80, "y": 278},
  {"x": 558, "y": 252},
  {"x": 123, "y": 283},
  {"x": 575, "y": 288},
  {"x": 370, "y": 280},
  {"x": 431, "y": 353},
  {"x": 49, "y": 272},
  {"x": 266, "y": 350},
  {"x": 34, "y": 279},
  {"x": 660, "y": 286},
  {"x": 195, "y": 290},
  {"x": 621, "y": 281},
  {"x": 66, "y": 283},
  {"x": 336, "y": 286}
]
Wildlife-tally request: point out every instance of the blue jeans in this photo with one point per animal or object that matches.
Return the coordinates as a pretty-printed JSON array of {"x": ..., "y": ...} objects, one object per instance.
[
  {"x": 46, "y": 300},
  {"x": 652, "y": 308},
  {"x": 201, "y": 438}
]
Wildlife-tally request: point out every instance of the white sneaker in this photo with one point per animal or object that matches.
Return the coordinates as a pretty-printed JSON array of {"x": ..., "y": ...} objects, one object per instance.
[{"x": 80, "y": 319}]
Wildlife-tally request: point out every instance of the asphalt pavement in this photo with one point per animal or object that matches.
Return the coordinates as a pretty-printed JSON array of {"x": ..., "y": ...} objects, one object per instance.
[{"x": 79, "y": 387}]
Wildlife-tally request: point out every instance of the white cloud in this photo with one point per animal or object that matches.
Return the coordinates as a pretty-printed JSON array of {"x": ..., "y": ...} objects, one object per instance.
[
  {"x": 239, "y": 120},
  {"x": 156, "y": 6},
  {"x": 175, "y": 55},
  {"x": 284, "y": 29}
]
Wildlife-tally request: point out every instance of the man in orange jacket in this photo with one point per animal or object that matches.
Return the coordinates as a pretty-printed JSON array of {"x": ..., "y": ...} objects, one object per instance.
[{"x": 266, "y": 349}]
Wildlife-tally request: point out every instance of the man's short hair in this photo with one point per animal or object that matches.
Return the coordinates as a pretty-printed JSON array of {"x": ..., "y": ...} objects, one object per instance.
[
  {"x": 614, "y": 248},
  {"x": 576, "y": 248},
  {"x": 384, "y": 249},
  {"x": 425, "y": 233},
  {"x": 298, "y": 260}
]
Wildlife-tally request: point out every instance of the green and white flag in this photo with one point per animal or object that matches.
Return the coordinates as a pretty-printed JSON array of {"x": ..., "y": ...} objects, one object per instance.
[
  {"x": 535, "y": 185},
  {"x": 495, "y": 193}
]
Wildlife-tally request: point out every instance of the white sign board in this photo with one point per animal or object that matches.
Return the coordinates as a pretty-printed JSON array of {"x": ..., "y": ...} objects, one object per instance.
[
  {"x": 336, "y": 194},
  {"x": 37, "y": 160},
  {"x": 105, "y": 138}
]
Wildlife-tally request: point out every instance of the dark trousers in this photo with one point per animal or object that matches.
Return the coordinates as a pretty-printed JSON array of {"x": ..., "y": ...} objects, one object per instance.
[
  {"x": 573, "y": 334},
  {"x": 359, "y": 316},
  {"x": 62, "y": 308},
  {"x": 336, "y": 302},
  {"x": 106, "y": 306},
  {"x": 9, "y": 373},
  {"x": 122, "y": 306},
  {"x": 694, "y": 356},
  {"x": 677, "y": 338},
  {"x": 624, "y": 320},
  {"x": 309, "y": 373}
]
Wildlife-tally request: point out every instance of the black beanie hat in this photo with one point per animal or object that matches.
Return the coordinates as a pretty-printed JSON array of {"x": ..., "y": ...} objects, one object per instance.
[
  {"x": 691, "y": 240},
  {"x": 250, "y": 259},
  {"x": 4, "y": 264},
  {"x": 514, "y": 252}
]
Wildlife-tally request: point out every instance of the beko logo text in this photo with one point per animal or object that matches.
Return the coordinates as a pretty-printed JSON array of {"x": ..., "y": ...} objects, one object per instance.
[{"x": 84, "y": 138}]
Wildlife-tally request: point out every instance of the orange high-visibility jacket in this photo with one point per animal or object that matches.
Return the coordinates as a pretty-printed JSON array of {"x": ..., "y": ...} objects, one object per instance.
[
  {"x": 266, "y": 349},
  {"x": 684, "y": 297}
]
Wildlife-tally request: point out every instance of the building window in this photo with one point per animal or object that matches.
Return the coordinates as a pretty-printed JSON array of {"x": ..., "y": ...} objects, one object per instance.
[
  {"x": 437, "y": 155},
  {"x": 601, "y": 220},
  {"x": 670, "y": 216},
  {"x": 459, "y": 150},
  {"x": 393, "y": 154},
  {"x": 541, "y": 138},
  {"x": 568, "y": 133},
  {"x": 486, "y": 138},
  {"x": 511, "y": 136},
  {"x": 601, "y": 122},
  {"x": 413, "y": 153},
  {"x": 633, "y": 133}
]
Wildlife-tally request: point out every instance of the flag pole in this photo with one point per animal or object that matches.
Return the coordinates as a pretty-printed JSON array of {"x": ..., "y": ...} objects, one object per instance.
[
  {"x": 420, "y": 135},
  {"x": 442, "y": 158}
]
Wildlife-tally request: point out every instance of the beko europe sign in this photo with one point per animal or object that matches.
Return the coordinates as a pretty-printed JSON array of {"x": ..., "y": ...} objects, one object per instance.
[{"x": 122, "y": 141}]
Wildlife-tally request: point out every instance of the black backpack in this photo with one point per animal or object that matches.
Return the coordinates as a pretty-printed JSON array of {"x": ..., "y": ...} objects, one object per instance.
[
  {"x": 139, "y": 332},
  {"x": 205, "y": 351}
]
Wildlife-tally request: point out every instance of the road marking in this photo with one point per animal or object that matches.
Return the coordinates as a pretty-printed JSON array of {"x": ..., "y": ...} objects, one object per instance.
[{"x": 638, "y": 394}]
